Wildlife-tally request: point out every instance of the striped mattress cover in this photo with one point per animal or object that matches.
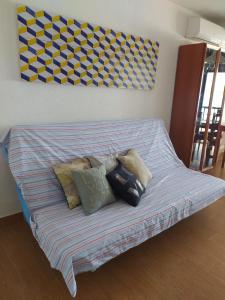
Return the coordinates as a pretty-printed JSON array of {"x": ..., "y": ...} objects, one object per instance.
[{"x": 74, "y": 242}]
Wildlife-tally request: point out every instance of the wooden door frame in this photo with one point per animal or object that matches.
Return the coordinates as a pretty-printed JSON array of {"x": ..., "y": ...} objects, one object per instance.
[
  {"x": 218, "y": 55},
  {"x": 217, "y": 146}
]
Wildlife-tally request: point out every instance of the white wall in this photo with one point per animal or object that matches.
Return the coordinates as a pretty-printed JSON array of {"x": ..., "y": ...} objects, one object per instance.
[{"x": 22, "y": 102}]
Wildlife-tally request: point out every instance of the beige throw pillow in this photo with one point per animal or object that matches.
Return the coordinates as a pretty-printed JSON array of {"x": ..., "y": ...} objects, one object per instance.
[
  {"x": 135, "y": 164},
  {"x": 63, "y": 172},
  {"x": 109, "y": 161}
]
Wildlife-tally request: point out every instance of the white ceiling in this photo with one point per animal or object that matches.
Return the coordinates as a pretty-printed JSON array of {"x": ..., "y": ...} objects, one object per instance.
[{"x": 211, "y": 9}]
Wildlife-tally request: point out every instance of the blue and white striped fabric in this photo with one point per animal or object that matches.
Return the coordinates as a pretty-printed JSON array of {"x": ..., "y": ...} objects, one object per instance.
[{"x": 74, "y": 242}]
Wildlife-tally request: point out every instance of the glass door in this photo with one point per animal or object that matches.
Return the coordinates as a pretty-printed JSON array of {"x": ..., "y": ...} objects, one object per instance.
[
  {"x": 215, "y": 114},
  {"x": 199, "y": 142}
]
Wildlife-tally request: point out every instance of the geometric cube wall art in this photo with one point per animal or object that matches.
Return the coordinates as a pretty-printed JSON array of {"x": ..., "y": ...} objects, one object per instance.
[{"x": 64, "y": 50}]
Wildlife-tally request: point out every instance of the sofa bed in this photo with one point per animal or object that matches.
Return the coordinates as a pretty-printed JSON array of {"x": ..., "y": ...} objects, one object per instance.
[{"x": 75, "y": 242}]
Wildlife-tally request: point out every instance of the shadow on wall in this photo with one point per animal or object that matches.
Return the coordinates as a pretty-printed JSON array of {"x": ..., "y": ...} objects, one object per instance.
[
  {"x": 181, "y": 24},
  {"x": 8, "y": 205},
  {"x": 10, "y": 36}
]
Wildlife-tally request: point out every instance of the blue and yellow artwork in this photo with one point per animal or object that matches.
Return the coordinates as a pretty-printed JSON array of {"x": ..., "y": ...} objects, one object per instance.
[{"x": 64, "y": 50}]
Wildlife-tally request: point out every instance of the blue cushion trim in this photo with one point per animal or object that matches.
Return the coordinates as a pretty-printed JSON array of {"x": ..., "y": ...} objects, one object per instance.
[{"x": 25, "y": 209}]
